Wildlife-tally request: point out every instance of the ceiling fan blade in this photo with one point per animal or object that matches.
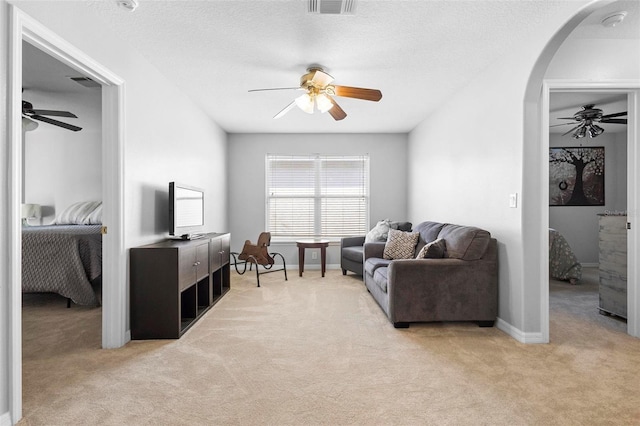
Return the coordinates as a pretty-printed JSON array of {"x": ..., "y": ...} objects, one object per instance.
[
  {"x": 275, "y": 88},
  {"x": 321, "y": 79},
  {"x": 336, "y": 112},
  {"x": 617, "y": 114},
  {"x": 56, "y": 123},
  {"x": 563, "y": 124},
  {"x": 577, "y": 127},
  {"x": 358, "y": 93},
  {"x": 54, "y": 113},
  {"x": 566, "y": 118},
  {"x": 615, "y": 121},
  {"x": 285, "y": 110}
]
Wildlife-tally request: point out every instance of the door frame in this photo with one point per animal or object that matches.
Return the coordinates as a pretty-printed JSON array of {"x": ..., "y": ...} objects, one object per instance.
[
  {"x": 114, "y": 294},
  {"x": 632, "y": 89}
]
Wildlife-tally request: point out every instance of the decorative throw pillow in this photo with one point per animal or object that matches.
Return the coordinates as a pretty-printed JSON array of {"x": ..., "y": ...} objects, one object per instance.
[
  {"x": 400, "y": 245},
  {"x": 379, "y": 232},
  {"x": 433, "y": 250},
  {"x": 76, "y": 213}
]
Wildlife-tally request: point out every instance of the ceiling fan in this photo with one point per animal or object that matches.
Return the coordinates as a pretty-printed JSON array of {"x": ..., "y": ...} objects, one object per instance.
[
  {"x": 586, "y": 119},
  {"x": 38, "y": 114},
  {"x": 319, "y": 94}
]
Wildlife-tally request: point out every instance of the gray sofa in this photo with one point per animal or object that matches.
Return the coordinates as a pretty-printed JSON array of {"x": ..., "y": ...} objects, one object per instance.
[{"x": 462, "y": 286}]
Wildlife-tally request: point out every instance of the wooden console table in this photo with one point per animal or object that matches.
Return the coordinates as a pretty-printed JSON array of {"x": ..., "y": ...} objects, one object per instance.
[{"x": 305, "y": 244}]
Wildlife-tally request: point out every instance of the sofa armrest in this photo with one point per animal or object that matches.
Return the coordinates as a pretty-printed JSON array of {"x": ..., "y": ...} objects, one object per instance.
[
  {"x": 352, "y": 241},
  {"x": 448, "y": 289},
  {"x": 375, "y": 249}
]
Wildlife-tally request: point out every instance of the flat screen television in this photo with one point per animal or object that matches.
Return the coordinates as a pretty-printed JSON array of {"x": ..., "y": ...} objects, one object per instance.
[{"x": 186, "y": 211}]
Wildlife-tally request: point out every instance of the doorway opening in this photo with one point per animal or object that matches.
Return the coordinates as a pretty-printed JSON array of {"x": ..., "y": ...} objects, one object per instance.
[
  {"x": 114, "y": 297},
  {"x": 588, "y": 185}
]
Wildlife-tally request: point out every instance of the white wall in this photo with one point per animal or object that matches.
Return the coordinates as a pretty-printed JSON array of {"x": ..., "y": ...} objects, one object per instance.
[
  {"x": 472, "y": 146},
  {"x": 62, "y": 167},
  {"x": 388, "y": 180},
  {"x": 579, "y": 224},
  {"x": 596, "y": 59}
]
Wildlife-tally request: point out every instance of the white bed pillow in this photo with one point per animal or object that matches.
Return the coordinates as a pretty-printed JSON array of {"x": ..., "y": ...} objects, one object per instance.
[
  {"x": 77, "y": 213},
  {"x": 95, "y": 217}
]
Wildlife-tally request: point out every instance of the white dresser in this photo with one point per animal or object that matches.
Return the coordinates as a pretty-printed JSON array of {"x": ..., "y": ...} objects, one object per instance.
[{"x": 612, "y": 240}]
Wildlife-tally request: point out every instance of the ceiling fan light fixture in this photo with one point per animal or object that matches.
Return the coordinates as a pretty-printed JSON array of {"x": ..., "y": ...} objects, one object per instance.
[
  {"x": 580, "y": 133},
  {"x": 595, "y": 130},
  {"x": 28, "y": 124},
  {"x": 305, "y": 103},
  {"x": 323, "y": 103}
]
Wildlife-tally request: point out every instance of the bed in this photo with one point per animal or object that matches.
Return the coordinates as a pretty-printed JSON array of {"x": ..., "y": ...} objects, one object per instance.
[
  {"x": 563, "y": 263},
  {"x": 63, "y": 258}
]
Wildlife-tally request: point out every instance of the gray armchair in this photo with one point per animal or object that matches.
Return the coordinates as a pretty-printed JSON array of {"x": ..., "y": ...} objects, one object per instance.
[
  {"x": 352, "y": 248},
  {"x": 351, "y": 254}
]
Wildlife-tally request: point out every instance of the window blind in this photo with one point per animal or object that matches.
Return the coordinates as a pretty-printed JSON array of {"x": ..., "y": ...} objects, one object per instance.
[{"x": 317, "y": 195}]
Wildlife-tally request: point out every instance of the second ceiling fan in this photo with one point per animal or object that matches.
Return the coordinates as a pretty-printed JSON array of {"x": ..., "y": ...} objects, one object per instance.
[
  {"x": 584, "y": 121},
  {"x": 319, "y": 94}
]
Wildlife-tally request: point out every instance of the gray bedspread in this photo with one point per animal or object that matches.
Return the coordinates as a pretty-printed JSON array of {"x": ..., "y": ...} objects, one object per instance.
[
  {"x": 62, "y": 259},
  {"x": 563, "y": 263}
]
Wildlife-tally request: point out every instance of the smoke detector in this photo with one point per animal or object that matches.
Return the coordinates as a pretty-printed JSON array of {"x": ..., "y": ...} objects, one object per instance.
[
  {"x": 128, "y": 5},
  {"x": 614, "y": 19},
  {"x": 331, "y": 7}
]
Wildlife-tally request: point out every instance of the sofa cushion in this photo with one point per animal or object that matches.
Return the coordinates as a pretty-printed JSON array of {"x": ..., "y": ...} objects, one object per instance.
[
  {"x": 401, "y": 226},
  {"x": 465, "y": 242},
  {"x": 380, "y": 278},
  {"x": 428, "y": 232},
  {"x": 374, "y": 263},
  {"x": 433, "y": 250},
  {"x": 400, "y": 245},
  {"x": 353, "y": 253}
]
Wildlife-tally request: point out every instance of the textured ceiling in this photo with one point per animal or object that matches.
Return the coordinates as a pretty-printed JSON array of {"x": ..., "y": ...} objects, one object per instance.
[{"x": 416, "y": 52}]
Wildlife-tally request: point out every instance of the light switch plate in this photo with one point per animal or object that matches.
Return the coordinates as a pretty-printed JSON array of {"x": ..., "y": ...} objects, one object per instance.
[{"x": 513, "y": 200}]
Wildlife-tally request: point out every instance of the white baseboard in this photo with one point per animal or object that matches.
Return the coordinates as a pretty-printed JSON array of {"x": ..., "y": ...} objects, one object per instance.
[
  {"x": 518, "y": 334},
  {"x": 5, "y": 419}
]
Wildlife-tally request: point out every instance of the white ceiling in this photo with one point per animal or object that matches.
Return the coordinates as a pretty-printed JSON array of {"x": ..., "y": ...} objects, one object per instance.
[{"x": 416, "y": 52}]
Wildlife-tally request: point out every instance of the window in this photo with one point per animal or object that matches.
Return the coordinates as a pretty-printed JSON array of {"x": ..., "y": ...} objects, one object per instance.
[{"x": 317, "y": 195}]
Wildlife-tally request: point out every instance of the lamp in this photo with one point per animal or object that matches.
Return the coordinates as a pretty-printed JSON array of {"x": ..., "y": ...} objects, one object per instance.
[
  {"x": 323, "y": 103},
  {"x": 593, "y": 129},
  {"x": 30, "y": 211},
  {"x": 28, "y": 124},
  {"x": 305, "y": 103},
  {"x": 580, "y": 132}
]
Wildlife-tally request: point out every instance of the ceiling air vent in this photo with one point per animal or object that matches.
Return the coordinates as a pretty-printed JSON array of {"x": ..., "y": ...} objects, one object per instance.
[
  {"x": 85, "y": 81},
  {"x": 332, "y": 7}
]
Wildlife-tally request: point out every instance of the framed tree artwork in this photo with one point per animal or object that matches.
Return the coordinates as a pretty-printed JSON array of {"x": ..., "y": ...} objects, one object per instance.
[{"x": 576, "y": 176}]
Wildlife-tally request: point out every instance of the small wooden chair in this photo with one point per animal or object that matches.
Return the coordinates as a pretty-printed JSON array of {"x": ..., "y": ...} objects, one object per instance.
[{"x": 258, "y": 254}]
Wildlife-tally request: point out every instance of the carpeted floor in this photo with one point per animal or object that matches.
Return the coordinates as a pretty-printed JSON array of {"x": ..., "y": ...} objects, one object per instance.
[{"x": 319, "y": 351}]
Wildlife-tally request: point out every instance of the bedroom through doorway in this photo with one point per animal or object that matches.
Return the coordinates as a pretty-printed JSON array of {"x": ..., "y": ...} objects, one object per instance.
[
  {"x": 61, "y": 239},
  {"x": 587, "y": 183}
]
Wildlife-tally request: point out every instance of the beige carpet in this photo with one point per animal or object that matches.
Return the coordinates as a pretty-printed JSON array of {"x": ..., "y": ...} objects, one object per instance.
[{"x": 319, "y": 351}]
